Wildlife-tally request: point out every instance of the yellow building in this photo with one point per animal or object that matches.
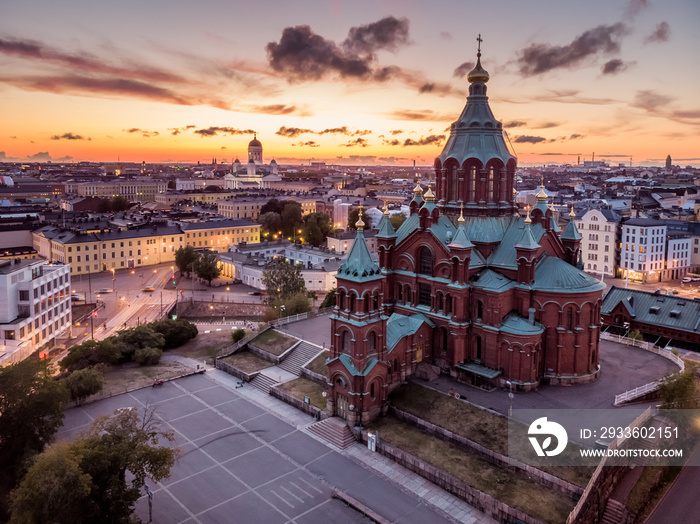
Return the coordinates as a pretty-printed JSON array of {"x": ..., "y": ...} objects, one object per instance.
[
  {"x": 132, "y": 190},
  {"x": 207, "y": 197}
]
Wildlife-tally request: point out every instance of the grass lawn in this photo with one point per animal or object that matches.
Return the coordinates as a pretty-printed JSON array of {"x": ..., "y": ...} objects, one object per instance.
[
  {"x": 273, "y": 341},
  {"x": 318, "y": 365},
  {"x": 482, "y": 427},
  {"x": 119, "y": 379},
  {"x": 513, "y": 489},
  {"x": 205, "y": 345},
  {"x": 302, "y": 387},
  {"x": 247, "y": 362},
  {"x": 639, "y": 495},
  {"x": 649, "y": 501}
]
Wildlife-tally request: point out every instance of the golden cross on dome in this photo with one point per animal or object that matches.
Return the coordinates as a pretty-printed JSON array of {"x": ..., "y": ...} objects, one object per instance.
[{"x": 479, "y": 39}]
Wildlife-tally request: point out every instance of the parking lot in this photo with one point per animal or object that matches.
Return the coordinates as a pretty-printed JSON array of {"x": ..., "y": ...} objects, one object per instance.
[{"x": 241, "y": 463}]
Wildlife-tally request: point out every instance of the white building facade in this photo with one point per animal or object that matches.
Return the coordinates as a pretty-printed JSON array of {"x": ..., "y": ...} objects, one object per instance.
[
  {"x": 35, "y": 307},
  {"x": 599, "y": 230}
]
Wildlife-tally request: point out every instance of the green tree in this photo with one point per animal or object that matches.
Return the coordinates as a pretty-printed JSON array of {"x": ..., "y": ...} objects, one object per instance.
[
  {"x": 91, "y": 353},
  {"x": 238, "y": 334},
  {"x": 329, "y": 299},
  {"x": 316, "y": 228},
  {"x": 31, "y": 410},
  {"x": 207, "y": 268},
  {"x": 291, "y": 217},
  {"x": 119, "y": 203},
  {"x": 271, "y": 222},
  {"x": 148, "y": 356},
  {"x": 175, "y": 332},
  {"x": 97, "y": 489},
  {"x": 104, "y": 205},
  {"x": 83, "y": 383},
  {"x": 635, "y": 335},
  {"x": 282, "y": 280},
  {"x": 273, "y": 206},
  {"x": 296, "y": 304},
  {"x": 397, "y": 219},
  {"x": 54, "y": 489},
  {"x": 185, "y": 259},
  {"x": 354, "y": 216},
  {"x": 132, "y": 339},
  {"x": 679, "y": 391}
]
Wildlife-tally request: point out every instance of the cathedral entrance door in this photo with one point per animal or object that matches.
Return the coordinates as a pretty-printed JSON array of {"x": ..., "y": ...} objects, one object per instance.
[
  {"x": 419, "y": 353},
  {"x": 342, "y": 405}
]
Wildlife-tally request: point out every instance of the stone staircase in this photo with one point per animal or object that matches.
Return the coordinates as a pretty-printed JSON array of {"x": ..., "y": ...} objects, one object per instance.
[
  {"x": 335, "y": 431},
  {"x": 263, "y": 383},
  {"x": 427, "y": 372},
  {"x": 615, "y": 513},
  {"x": 299, "y": 356}
]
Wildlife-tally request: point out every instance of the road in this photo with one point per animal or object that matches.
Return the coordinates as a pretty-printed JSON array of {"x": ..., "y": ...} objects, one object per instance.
[
  {"x": 127, "y": 305},
  {"x": 680, "y": 502}
]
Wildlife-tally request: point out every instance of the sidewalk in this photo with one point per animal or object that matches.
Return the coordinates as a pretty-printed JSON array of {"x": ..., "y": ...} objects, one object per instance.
[{"x": 452, "y": 507}]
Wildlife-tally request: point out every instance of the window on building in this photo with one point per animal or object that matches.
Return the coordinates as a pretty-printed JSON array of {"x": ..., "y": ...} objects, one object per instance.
[
  {"x": 425, "y": 266},
  {"x": 371, "y": 342},
  {"x": 424, "y": 294},
  {"x": 346, "y": 342}
]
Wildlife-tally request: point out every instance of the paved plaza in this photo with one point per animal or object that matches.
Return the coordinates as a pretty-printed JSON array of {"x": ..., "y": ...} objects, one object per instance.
[{"x": 246, "y": 457}]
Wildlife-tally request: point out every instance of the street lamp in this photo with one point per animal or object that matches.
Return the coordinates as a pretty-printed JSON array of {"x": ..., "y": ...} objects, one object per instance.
[{"x": 114, "y": 287}]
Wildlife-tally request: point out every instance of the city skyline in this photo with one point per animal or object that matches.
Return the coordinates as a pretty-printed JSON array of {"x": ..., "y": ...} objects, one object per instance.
[{"x": 344, "y": 83}]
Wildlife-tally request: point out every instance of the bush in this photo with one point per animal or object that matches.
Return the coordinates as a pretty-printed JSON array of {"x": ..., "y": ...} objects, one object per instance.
[
  {"x": 83, "y": 383},
  {"x": 237, "y": 335},
  {"x": 133, "y": 339},
  {"x": 329, "y": 299},
  {"x": 148, "y": 356},
  {"x": 175, "y": 332},
  {"x": 91, "y": 353},
  {"x": 635, "y": 335}
]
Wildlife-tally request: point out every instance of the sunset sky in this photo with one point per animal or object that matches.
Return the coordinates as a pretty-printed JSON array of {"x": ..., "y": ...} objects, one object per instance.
[{"x": 345, "y": 81}]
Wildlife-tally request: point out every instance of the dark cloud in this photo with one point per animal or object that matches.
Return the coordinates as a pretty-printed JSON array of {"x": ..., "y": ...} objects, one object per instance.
[
  {"x": 540, "y": 58},
  {"x": 40, "y": 157},
  {"x": 293, "y": 132},
  {"x": 546, "y": 125},
  {"x": 14, "y": 137},
  {"x": 651, "y": 101},
  {"x": 308, "y": 143},
  {"x": 662, "y": 33},
  {"x": 393, "y": 142},
  {"x": 69, "y": 136},
  {"x": 101, "y": 86},
  {"x": 462, "y": 69},
  {"x": 635, "y": 6},
  {"x": 425, "y": 141},
  {"x": 388, "y": 33},
  {"x": 527, "y": 139},
  {"x": 224, "y": 147},
  {"x": 614, "y": 66},
  {"x": 33, "y": 50},
  {"x": 446, "y": 35},
  {"x": 419, "y": 114},
  {"x": 576, "y": 136},
  {"x": 63, "y": 159},
  {"x": 303, "y": 55},
  {"x": 144, "y": 132},
  {"x": 436, "y": 88},
  {"x": 514, "y": 123},
  {"x": 215, "y": 130},
  {"x": 274, "y": 109},
  {"x": 396, "y": 131},
  {"x": 359, "y": 142},
  {"x": 177, "y": 130},
  {"x": 571, "y": 96}
]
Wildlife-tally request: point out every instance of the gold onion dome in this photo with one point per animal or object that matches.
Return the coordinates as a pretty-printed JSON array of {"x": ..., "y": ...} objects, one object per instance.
[
  {"x": 528, "y": 220},
  {"x": 429, "y": 195},
  {"x": 417, "y": 189},
  {"x": 360, "y": 223},
  {"x": 478, "y": 74},
  {"x": 385, "y": 209},
  {"x": 461, "y": 213},
  {"x": 572, "y": 214},
  {"x": 541, "y": 195}
]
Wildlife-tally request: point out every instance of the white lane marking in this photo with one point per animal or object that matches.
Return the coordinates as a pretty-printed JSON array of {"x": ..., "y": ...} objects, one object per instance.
[
  {"x": 303, "y": 491},
  {"x": 283, "y": 500},
  {"x": 312, "y": 487},
  {"x": 292, "y": 494}
]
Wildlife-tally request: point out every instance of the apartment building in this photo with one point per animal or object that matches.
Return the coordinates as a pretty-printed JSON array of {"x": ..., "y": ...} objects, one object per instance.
[
  {"x": 35, "y": 307},
  {"x": 206, "y": 197},
  {"x": 241, "y": 207},
  {"x": 599, "y": 229},
  {"x": 649, "y": 252},
  {"x": 108, "y": 249}
]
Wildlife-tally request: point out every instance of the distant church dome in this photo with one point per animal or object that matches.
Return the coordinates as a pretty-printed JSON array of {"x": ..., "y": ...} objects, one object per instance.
[
  {"x": 255, "y": 151},
  {"x": 255, "y": 142}
]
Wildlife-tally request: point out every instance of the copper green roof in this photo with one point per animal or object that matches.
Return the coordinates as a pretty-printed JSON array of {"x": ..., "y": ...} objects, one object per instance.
[
  {"x": 553, "y": 274},
  {"x": 386, "y": 230},
  {"x": 486, "y": 229},
  {"x": 479, "y": 369},
  {"x": 461, "y": 239},
  {"x": 399, "y": 326},
  {"x": 541, "y": 205},
  {"x": 504, "y": 256},
  {"x": 347, "y": 362},
  {"x": 359, "y": 264},
  {"x": 553, "y": 224},
  {"x": 408, "y": 226},
  {"x": 492, "y": 281},
  {"x": 571, "y": 232},
  {"x": 517, "y": 325},
  {"x": 527, "y": 241}
]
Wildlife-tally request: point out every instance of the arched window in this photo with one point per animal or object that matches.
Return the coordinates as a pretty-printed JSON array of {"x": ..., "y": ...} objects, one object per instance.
[
  {"x": 448, "y": 305},
  {"x": 479, "y": 309},
  {"x": 371, "y": 391},
  {"x": 490, "y": 195},
  {"x": 341, "y": 297},
  {"x": 399, "y": 292},
  {"x": 346, "y": 342},
  {"x": 352, "y": 302},
  {"x": 425, "y": 265},
  {"x": 454, "y": 184},
  {"x": 375, "y": 301},
  {"x": 371, "y": 342},
  {"x": 443, "y": 341},
  {"x": 570, "y": 319},
  {"x": 478, "y": 348},
  {"x": 441, "y": 302},
  {"x": 472, "y": 183}
]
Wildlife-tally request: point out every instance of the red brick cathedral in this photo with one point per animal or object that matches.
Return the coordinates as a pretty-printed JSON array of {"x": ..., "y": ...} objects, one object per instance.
[{"x": 465, "y": 284}]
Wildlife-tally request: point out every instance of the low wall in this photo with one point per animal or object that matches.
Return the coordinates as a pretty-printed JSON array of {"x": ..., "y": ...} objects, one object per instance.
[
  {"x": 483, "y": 502},
  {"x": 491, "y": 456},
  {"x": 314, "y": 377},
  {"x": 233, "y": 370},
  {"x": 309, "y": 409}
]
